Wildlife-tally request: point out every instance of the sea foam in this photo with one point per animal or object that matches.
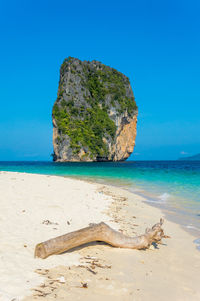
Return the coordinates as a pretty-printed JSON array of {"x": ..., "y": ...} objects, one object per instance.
[{"x": 164, "y": 197}]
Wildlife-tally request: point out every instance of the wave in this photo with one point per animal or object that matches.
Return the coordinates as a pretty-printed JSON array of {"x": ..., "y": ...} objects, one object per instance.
[
  {"x": 197, "y": 242},
  {"x": 164, "y": 197},
  {"x": 192, "y": 227},
  {"x": 154, "y": 201},
  {"x": 160, "y": 199}
]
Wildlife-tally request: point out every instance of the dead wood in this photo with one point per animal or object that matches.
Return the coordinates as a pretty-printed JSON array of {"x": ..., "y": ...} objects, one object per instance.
[{"x": 99, "y": 232}]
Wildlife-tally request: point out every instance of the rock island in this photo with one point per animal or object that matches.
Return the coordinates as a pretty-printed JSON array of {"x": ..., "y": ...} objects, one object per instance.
[{"x": 94, "y": 115}]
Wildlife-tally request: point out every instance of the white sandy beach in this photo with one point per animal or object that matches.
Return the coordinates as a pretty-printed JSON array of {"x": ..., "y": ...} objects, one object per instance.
[{"x": 35, "y": 208}]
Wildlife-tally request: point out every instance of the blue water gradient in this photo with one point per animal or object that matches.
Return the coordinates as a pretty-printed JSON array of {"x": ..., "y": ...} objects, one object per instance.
[{"x": 172, "y": 185}]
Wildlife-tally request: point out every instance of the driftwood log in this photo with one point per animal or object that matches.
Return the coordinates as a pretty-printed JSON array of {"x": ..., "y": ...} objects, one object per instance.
[{"x": 99, "y": 232}]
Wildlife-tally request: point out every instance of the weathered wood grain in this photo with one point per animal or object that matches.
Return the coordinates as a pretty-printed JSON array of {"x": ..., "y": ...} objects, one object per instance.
[{"x": 99, "y": 232}]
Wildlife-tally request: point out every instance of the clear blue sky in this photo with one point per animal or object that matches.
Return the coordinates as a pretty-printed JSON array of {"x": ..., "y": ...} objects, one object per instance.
[{"x": 155, "y": 43}]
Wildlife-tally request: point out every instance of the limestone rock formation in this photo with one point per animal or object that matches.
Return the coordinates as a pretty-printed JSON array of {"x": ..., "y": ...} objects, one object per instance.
[{"x": 95, "y": 114}]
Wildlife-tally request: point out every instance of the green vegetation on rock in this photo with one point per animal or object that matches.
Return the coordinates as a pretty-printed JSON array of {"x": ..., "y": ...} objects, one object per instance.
[{"x": 89, "y": 132}]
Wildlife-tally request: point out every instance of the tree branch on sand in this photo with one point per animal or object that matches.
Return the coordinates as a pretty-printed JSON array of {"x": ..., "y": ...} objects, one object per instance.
[{"x": 100, "y": 232}]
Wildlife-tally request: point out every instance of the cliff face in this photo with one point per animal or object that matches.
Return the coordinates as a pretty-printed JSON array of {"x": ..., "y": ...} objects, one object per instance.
[{"x": 95, "y": 114}]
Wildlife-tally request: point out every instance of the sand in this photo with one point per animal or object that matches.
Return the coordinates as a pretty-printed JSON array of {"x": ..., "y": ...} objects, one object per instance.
[{"x": 35, "y": 208}]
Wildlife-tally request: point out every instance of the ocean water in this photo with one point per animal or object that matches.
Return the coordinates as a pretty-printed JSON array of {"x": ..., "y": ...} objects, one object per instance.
[{"x": 173, "y": 186}]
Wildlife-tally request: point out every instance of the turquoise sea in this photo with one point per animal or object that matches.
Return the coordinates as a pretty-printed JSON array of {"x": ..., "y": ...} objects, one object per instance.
[{"x": 174, "y": 186}]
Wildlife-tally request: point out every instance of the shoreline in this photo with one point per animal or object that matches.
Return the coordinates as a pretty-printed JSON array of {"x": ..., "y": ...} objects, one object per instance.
[
  {"x": 124, "y": 211},
  {"x": 152, "y": 201},
  {"x": 168, "y": 214},
  {"x": 148, "y": 198},
  {"x": 178, "y": 204}
]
